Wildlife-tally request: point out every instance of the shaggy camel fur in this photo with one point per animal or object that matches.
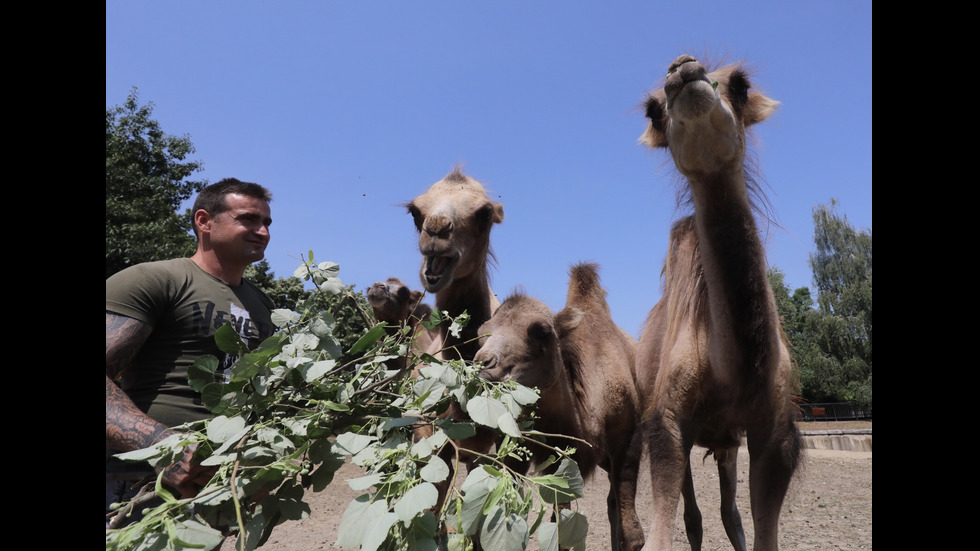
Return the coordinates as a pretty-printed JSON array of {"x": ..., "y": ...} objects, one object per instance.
[
  {"x": 583, "y": 364},
  {"x": 712, "y": 361}
]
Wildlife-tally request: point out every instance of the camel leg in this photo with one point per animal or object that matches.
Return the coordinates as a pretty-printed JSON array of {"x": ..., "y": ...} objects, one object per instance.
[
  {"x": 668, "y": 461},
  {"x": 728, "y": 480},
  {"x": 772, "y": 460},
  {"x": 692, "y": 514},
  {"x": 624, "y": 524}
]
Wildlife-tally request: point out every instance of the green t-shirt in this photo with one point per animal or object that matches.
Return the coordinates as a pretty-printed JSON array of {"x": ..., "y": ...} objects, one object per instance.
[{"x": 185, "y": 306}]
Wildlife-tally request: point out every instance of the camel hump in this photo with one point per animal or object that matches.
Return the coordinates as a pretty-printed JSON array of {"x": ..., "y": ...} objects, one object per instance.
[{"x": 584, "y": 287}]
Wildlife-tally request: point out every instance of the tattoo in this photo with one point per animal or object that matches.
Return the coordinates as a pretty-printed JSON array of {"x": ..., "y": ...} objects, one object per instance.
[
  {"x": 126, "y": 427},
  {"x": 124, "y": 337}
]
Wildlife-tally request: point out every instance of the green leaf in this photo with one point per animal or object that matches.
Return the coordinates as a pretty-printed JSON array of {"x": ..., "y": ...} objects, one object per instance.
[
  {"x": 229, "y": 341},
  {"x": 572, "y": 529},
  {"x": 329, "y": 269},
  {"x": 503, "y": 531},
  {"x": 548, "y": 537},
  {"x": 508, "y": 425},
  {"x": 369, "y": 339},
  {"x": 332, "y": 286},
  {"x": 477, "y": 486},
  {"x": 196, "y": 535},
  {"x": 572, "y": 488},
  {"x": 350, "y": 443},
  {"x": 365, "y": 482},
  {"x": 417, "y": 499},
  {"x": 315, "y": 370},
  {"x": 362, "y": 517},
  {"x": 201, "y": 373},
  {"x": 399, "y": 422},
  {"x": 284, "y": 318},
  {"x": 524, "y": 395},
  {"x": 436, "y": 470},
  {"x": 458, "y": 431},
  {"x": 222, "y": 429},
  {"x": 486, "y": 411}
]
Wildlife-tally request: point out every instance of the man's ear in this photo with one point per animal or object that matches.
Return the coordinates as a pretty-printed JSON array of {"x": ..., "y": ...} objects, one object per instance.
[{"x": 202, "y": 221}]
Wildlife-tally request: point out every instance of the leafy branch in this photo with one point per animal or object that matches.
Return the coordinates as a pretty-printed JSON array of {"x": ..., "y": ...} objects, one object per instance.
[{"x": 291, "y": 414}]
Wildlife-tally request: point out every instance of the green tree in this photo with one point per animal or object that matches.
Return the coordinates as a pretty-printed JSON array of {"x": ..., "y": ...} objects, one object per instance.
[
  {"x": 794, "y": 311},
  {"x": 841, "y": 325},
  {"x": 146, "y": 180}
]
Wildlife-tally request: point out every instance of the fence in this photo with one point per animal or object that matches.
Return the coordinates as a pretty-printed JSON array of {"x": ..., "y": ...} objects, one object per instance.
[{"x": 838, "y": 411}]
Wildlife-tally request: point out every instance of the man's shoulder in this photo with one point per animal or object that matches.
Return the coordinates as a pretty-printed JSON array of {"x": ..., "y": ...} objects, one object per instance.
[{"x": 156, "y": 268}]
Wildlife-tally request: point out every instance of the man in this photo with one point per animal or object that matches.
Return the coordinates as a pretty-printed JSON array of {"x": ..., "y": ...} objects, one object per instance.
[{"x": 162, "y": 316}]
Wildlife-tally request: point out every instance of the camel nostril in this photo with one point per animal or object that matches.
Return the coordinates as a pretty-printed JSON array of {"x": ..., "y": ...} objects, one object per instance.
[{"x": 488, "y": 361}]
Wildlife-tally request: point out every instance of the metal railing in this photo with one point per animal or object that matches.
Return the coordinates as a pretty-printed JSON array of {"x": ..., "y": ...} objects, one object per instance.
[{"x": 833, "y": 411}]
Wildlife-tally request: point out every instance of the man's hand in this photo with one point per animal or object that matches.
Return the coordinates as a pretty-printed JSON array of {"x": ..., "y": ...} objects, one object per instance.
[{"x": 187, "y": 476}]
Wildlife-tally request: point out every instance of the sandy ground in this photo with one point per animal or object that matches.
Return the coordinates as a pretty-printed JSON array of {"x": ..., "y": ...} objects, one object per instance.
[{"x": 828, "y": 506}]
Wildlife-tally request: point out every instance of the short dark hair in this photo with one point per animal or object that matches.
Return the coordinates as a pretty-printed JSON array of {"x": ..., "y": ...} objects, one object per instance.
[{"x": 212, "y": 198}]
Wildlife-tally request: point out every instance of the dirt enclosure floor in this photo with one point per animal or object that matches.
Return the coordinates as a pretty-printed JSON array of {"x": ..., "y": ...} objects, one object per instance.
[{"x": 828, "y": 506}]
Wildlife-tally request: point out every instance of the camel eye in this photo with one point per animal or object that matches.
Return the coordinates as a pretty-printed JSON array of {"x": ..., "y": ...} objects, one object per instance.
[
  {"x": 416, "y": 215},
  {"x": 484, "y": 216},
  {"x": 403, "y": 294},
  {"x": 539, "y": 332}
]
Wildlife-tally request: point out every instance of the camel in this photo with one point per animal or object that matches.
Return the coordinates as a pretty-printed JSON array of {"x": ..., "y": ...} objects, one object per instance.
[
  {"x": 395, "y": 304},
  {"x": 712, "y": 361},
  {"x": 453, "y": 219},
  {"x": 582, "y": 362}
]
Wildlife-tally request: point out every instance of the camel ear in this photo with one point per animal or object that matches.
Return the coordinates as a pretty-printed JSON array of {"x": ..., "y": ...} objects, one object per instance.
[
  {"x": 656, "y": 133},
  {"x": 498, "y": 213},
  {"x": 758, "y": 108},
  {"x": 567, "y": 320},
  {"x": 415, "y": 298}
]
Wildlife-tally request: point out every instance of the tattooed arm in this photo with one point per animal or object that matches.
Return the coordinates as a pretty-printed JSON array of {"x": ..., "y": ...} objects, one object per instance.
[{"x": 127, "y": 428}]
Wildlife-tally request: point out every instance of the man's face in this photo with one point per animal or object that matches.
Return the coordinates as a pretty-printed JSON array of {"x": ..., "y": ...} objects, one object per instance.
[{"x": 241, "y": 233}]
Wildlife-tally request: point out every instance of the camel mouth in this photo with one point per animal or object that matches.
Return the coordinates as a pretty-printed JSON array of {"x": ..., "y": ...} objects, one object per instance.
[
  {"x": 437, "y": 271},
  {"x": 377, "y": 295},
  {"x": 692, "y": 98}
]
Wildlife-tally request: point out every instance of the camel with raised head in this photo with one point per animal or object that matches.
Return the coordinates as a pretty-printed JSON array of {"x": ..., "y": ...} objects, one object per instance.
[
  {"x": 712, "y": 362},
  {"x": 395, "y": 304},
  {"x": 454, "y": 218},
  {"x": 583, "y": 363}
]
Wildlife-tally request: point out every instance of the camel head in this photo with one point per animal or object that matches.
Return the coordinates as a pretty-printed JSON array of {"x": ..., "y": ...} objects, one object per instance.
[
  {"x": 392, "y": 301},
  {"x": 701, "y": 117},
  {"x": 454, "y": 218},
  {"x": 522, "y": 341}
]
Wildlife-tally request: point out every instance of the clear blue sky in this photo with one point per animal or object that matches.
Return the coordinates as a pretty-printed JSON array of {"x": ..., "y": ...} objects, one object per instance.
[{"x": 347, "y": 110}]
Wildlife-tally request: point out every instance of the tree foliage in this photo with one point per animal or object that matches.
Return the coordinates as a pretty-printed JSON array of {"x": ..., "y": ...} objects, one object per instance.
[
  {"x": 832, "y": 341},
  {"x": 293, "y": 413},
  {"x": 146, "y": 180},
  {"x": 842, "y": 325}
]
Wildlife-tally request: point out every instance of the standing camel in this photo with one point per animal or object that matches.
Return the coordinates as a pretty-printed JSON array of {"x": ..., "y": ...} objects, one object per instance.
[
  {"x": 454, "y": 218},
  {"x": 582, "y": 362},
  {"x": 712, "y": 362}
]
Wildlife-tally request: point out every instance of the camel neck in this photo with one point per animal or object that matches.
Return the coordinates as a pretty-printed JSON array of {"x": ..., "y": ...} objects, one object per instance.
[
  {"x": 740, "y": 301},
  {"x": 472, "y": 295}
]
